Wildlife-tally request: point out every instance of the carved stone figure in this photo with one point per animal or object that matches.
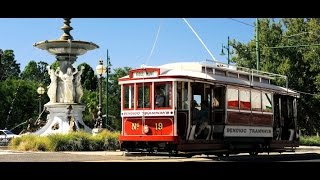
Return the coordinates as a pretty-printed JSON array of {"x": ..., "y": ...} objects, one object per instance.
[
  {"x": 52, "y": 88},
  {"x": 77, "y": 85},
  {"x": 60, "y": 87},
  {"x": 67, "y": 78}
]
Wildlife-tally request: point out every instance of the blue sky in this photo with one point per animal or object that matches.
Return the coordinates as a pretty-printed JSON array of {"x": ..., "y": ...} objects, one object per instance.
[{"x": 129, "y": 40}]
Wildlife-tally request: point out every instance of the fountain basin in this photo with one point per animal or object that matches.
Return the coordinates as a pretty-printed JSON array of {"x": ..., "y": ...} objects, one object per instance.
[{"x": 66, "y": 47}]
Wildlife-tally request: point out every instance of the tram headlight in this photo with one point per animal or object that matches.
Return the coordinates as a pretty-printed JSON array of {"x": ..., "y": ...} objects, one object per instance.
[{"x": 145, "y": 129}]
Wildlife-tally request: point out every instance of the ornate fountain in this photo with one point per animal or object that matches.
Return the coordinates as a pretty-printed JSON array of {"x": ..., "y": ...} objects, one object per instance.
[{"x": 65, "y": 90}]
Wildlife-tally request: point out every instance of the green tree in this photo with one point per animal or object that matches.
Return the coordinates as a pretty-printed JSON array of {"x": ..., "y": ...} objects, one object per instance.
[
  {"x": 89, "y": 80},
  {"x": 114, "y": 96},
  {"x": 36, "y": 71},
  {"x": 19, "y": 102},
  {"x": 90, "y": 99},
  {"x": 9, "y": 66},
  {"x": 287, "y": 48}
]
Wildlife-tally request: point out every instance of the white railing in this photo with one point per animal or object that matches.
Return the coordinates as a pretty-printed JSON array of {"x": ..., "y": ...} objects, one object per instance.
[{"x": 244, "y": 70}]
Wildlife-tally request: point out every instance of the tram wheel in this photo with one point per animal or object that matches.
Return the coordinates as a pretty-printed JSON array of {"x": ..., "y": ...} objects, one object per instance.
[
  {"x": 253, "y": 153},
  {"x": 220, "y": 155}
]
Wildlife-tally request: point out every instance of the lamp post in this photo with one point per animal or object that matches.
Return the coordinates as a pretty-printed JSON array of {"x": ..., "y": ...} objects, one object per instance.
[
  {"x": 107, "y": 88},
  {"x": 228, "y": 50},
  {"x": 40, "y": 91},
  {"x": 100, "y": 69}
]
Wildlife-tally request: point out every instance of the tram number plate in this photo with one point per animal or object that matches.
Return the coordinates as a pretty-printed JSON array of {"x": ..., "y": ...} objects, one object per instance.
[
  {"x": 135, "y": 126},
  {"x": 159, "y": 126}
]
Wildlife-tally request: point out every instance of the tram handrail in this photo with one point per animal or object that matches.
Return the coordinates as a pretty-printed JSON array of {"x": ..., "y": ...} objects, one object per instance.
[{"x": 252, "y": 72}]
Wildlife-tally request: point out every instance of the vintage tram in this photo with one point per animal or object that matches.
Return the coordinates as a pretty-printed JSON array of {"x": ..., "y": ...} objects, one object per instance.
[{"x": 207, "y": 108}]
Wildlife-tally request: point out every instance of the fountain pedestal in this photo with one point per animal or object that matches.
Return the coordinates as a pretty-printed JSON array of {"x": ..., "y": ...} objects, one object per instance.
[{"x": 63, "y": 118}]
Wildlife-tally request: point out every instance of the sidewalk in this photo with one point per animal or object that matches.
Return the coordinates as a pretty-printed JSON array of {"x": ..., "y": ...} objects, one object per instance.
[
  {"x": 97, "y": 153},
  {"x": 308, "y": 148},
  {"x": 5, "y": 149}
]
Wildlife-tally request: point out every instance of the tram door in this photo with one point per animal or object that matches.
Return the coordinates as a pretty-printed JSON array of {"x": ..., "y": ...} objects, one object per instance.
[
  {"x": 218, "y": 113},
  {"x": 201, "y": 111},
  {"x": 182, "y": 109},
  {"x": 284, "y": 117}
]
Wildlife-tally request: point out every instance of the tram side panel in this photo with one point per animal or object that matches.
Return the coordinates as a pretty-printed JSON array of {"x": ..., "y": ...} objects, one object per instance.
[{"x": 247, "y": 125}]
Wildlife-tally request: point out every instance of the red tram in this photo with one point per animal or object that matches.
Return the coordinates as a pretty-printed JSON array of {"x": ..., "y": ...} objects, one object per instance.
[{"x": 207, "y": 108}]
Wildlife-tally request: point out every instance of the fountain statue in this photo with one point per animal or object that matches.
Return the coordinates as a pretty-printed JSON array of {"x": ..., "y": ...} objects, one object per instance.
[{"x": 65, "y": 90}]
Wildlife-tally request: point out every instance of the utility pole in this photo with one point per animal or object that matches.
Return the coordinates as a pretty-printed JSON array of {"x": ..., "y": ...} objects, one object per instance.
[
  {"x": 107, "y": 88},
  {"x": 257, "y": 43}
]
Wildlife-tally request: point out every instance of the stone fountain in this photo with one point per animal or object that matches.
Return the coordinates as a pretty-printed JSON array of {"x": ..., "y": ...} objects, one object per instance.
[{"x": 65, "y": 90}]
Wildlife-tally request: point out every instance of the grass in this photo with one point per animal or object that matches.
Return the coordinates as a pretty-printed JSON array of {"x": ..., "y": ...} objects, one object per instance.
[{"x": 74, "y": 141}]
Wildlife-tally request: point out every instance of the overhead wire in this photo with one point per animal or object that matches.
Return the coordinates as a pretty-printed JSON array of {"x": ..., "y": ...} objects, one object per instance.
[
  {"x": 154, "y": 44},
  {"x": 199, "y": 38},
  {"x": 242, "y": 22}
]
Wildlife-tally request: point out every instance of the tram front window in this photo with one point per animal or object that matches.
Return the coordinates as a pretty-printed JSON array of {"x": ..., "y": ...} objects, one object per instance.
[
  {"x": 144, "y": 95},
  {"x": 162, "y": 95},
  {"x": 128, "y": 97}
]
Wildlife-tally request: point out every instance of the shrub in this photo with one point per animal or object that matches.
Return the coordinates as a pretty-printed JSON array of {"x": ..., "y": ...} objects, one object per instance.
[
  {"x": 310, "y": 140},
  {"x": 30, "y": 143},
  {"x": 74, "y": 141}
]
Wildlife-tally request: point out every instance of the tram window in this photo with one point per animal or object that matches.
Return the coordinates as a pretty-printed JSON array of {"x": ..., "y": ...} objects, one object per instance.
[
  {"x": 219, "y": 98},
  {"x": 284, "y": 107},
  {"x": 266, "y": 102},
  {"x": 209, "y": 70},
  {"x": 220, "y": 72},
  {"x": 185, "y": 96},
  {"x": 234, "y": 75},
  {"x": 128, "y": 96},
  {"x": 162, "y": 95},
  {"x": 290, "y": 107},
  {"x": 245, "y": 99},
  {"x": 265, "y": 80},
  {"x": 256, "y": 79},
  {"x": 256, "y": 100},
  {"x": 144, "y": 95},
  {"x": 233, "y": 98},
  {"x": 182, "y": 95},
  {"x": 179, "y": 95},
  {"x": 244, "y": 77}
]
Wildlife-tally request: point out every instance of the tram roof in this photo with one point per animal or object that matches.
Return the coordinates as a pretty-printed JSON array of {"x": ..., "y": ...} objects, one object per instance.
[{"x": 219, "y": 72}]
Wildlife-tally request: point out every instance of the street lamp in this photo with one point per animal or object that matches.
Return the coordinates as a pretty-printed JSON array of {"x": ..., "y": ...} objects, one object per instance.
[
  {"x": 40, "y": 91},
  {"x": 107, "y": 91},
  {"x": 228, "y": 50},
  {"x": 100, "y": 69}
]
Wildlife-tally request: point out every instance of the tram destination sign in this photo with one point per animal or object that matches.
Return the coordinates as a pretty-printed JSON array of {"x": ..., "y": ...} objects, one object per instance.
[
  {"x": 247, "y": 131},
  {"x": 145, "y": 73},
  {"x": 146, "y": 113}
]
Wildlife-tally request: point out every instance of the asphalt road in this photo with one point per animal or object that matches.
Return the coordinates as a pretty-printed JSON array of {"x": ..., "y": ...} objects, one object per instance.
[
  {"x": 301, "y": 155},
  {"x": 104, "y": 164}
]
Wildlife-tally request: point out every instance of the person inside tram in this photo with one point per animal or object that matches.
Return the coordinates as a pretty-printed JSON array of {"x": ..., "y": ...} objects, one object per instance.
[
  {"x": 203, "y": 118},
  {"x": 195, "y": 112},
  {"x": 159, "y": 98}
]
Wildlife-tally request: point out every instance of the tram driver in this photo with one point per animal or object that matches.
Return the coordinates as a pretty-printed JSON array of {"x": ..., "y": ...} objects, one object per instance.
[{"x": 159, "y": 98}]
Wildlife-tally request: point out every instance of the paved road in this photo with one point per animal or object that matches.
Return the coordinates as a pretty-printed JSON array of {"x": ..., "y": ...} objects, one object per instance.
[{"x": 306, "y": 154}]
